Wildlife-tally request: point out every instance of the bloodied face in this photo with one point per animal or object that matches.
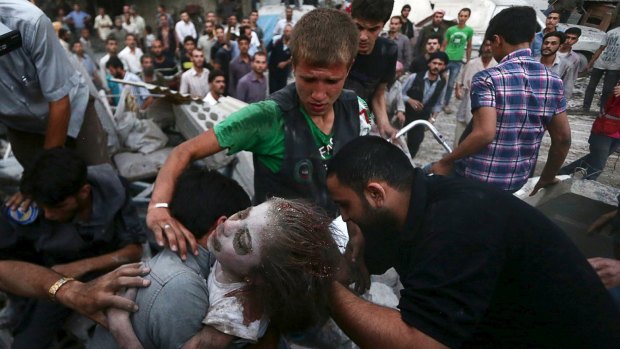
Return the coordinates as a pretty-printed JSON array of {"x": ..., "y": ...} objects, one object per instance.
[{"x": 238, "y": 242}]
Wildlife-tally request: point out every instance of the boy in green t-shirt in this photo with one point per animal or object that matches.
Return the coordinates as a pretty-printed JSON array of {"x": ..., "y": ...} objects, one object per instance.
[{"x": 456, "y": 43}]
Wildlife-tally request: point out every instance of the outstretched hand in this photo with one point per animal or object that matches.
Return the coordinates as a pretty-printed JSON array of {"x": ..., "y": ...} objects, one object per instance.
[
  {"x": 354, "y": 255},
  {"x": 543, "y": 183},
  {"x": 607, "y": 269},
  {"x": 168, "y": 231}
]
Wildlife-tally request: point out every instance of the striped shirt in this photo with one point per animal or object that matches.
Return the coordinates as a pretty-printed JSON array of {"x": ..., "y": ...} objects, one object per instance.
[{"x": 526, "y": 95}]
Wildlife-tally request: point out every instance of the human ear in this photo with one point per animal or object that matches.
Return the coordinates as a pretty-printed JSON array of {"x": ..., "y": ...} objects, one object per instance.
[{"x": 375, "y": 194}]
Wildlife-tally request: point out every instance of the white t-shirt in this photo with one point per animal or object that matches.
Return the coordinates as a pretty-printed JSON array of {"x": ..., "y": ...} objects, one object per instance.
[
  {"x": 226, "y": 312},
  {"x": 610, "y": 58}
]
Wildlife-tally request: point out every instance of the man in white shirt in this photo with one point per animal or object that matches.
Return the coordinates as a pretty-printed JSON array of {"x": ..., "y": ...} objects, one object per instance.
[
  {"x": 195, "y": 81},
  {"x": 103, "y": 24},
  {"x": 206, "y": 41},
  {"x": 184, "y": 28},
  {"x": 463, "y": 87},
  {"x": 131, "y": 54},
  {"x": 111, "y": 49},
  {"x": 284, "y": 21},
  {"x": 217, "y": 84},
  {"x": 570, "y": 59}
]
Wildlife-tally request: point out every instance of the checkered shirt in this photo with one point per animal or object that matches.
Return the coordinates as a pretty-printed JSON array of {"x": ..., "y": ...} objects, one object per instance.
[{"x": 526, "y": 95}]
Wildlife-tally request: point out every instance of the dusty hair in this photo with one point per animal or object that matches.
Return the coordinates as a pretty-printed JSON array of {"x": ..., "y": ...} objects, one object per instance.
[
  {"x": 324, "y": 37},
  {"x": 297, "y": 265}
]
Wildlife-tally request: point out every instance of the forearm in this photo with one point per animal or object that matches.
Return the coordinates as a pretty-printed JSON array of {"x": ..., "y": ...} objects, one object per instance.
[
  {"x": 555, "y": 159},
  {"x": 468, "y": 52},
  {"x": 26, "y": 279},
  {"x": 57, "y": 123},
  {"x": 373, "y": 326},
  {"x": 379, "y": 109},
  {"x": 596, "y": 55},
  {"x": 106, "y": 262}
]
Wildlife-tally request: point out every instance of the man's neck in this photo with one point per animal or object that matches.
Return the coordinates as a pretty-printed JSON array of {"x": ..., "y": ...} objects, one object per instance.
[
  {"x": 215, "y": 96},
  {"x": 461, "y": 26},
  {"x": 548, "y": 60},
  {"x": 244, "y": 57},
  {"x": 198, "y": 69},
  {"x": 548, "y": 30},
  {"x": 393, "y": 35},
  {"x": 485, "y": 60},
  {"x": 259, "y": 76},
  {"x": 566, "y": 50},
  {"x": 432, "y": 76}
]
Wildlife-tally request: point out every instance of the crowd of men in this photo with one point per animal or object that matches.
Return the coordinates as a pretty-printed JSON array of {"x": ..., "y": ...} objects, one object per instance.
[{"x": 479, "y": 268}]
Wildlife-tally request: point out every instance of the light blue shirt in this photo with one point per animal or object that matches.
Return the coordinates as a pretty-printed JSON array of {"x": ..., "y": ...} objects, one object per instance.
[
  {"x": 429, "y": 89},
  {"x": 37, "y": 73}
]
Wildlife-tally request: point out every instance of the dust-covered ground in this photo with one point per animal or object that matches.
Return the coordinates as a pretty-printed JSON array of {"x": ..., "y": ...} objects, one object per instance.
[{"x": 580, "y": 127}]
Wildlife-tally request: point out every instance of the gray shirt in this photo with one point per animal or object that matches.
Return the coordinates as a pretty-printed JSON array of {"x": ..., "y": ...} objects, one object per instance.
[
  {"x": 251, "y": 89},
  {"x": 174, "y": 304},
  {"x": 236, "y": 70},
  {"x": 37, "y": 73}
]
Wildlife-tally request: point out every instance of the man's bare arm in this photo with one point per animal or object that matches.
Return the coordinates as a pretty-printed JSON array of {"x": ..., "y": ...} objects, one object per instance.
[
  {"x": 468, "y": 51},
  {"x": 379, "y": 109},
  {"x": 128, "y": 254},
  {"x": 595, "y": 56},
  {"x": 181, "y": 156},
  {"x": 90, "y": 299},
  {"x": 559, "y": 131},
  {"x": 373, "y": 326},
  {"x": 57, "y": 123},
  {"x": 483, "y": 133}
]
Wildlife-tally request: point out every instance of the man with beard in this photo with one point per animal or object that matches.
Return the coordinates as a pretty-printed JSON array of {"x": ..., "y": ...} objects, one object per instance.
[
  {"x": 480, "y": 268},
  {"x": 148, "y": 74},
  {"x": 86, "y": 225},
  {"x": 131, "y": 54},
  {"x": 436, "y": 28},
  {"x": 195, "y": 81},
  {"x": 239, "y": 66},
  {"x": 551, "y": 25},
  {"x": 571, "y": 59},
  {"x": 423, "y": 94},
  {"x": 217, "y": 87},
  {"x": 407, "y": 25},
  {"x": 463, "y": 87},
  {"x": 548, "y": 57},
  {"x": 252, "y": 87}
]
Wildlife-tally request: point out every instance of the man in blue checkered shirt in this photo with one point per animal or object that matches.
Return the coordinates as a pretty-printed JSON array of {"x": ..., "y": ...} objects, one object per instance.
[{"x": 513, "y": 104}]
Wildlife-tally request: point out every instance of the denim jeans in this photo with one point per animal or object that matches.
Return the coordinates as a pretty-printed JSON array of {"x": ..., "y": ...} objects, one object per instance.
[
  {"x": 454, "y": 67},
  {"x": 601, "y": 147},
  {"x": 611, "y": 78}
]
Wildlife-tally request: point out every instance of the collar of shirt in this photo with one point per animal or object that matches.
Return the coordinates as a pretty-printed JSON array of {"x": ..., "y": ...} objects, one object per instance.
[
  {"x": 193, "y": 71},
  {"x": 524, "y": 52},
  {"x": 107, "y": 195}
]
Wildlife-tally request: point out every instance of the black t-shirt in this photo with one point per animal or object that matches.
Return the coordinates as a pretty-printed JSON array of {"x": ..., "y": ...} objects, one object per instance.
[
  {"x": 482, "y": 269},
  {"x": 369, "y": 71},
  {"x": 419, "y": 64},
  {"x": 168, "y": 66}
]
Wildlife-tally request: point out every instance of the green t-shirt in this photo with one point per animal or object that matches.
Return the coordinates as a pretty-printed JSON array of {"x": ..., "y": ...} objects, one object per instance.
[
  {"x": 456, "y": 39},
  {"x": 259, "y": 128}
]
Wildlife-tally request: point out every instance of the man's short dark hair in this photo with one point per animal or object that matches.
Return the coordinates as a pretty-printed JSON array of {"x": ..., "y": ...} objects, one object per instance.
[
  {"x": 309, "y": 45},
  {"x": 188, "y": 39},
  {"x": 110, "y": 37},
  {"x": 557, "y": 12},
  {"x": 466, "y": 9},
  {"x": 201, "y": 197},
  {"x": 62, "y": 32},
  {"x": 371, "y": 158},
  {"x": 53, "y": 176},
  {"x": 557, "y": 34},
  {"x": 243, "y": 38},
  {"x": 259, "y": 53},
  {"x": 400, "y": 19},
  {"x": 405, "y": 7},
  {"x": 145, "y": 56},
  {"x": 114, "y": 62},
  {"x": 372, "y": 10},
  {"x": 434, "y": 36},
  {"x": 214, "y": 74},
  {"x": 574, "y": 31},
  {"x": 515, "y": 24},
  {"x": 132, "y": 35}
]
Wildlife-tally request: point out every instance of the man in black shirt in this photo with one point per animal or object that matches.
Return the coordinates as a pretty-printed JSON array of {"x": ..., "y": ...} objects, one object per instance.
[
  {"x": 374, "y": 66},
  {"x": 480, "y": 268}
]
